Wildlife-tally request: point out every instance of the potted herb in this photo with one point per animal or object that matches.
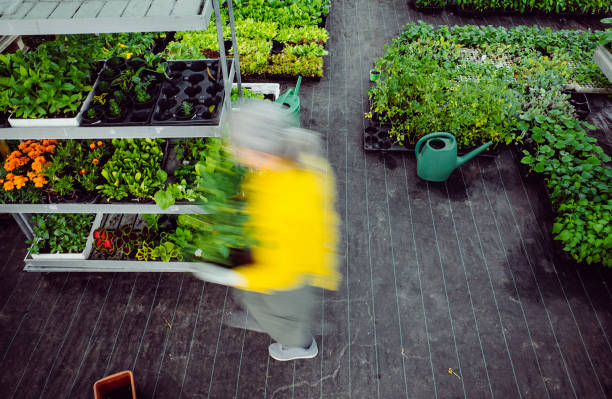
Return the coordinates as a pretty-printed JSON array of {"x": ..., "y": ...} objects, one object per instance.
[
  {"x": 63, "y": 236},
  {"x": 93, "y": 115},
  {"x": 110, "y": 74},
  {"x": 603, "y": 53},
  {"x": 114, "y": 111},
  {"x": 143, "y": 88},
  {"x": 186, "y": 110},
  {"x": 116, "y": 63}
]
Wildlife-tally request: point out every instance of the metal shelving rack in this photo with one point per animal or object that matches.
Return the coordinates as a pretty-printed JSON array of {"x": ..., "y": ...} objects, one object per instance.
[{"x": 47, "y": 17}]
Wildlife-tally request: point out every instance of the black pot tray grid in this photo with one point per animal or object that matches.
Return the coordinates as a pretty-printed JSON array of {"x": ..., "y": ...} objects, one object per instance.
[
  {"x": 197, "y": 82},
  {"x": 133, "y": 113},
  {"x": 376, "y": 138}
]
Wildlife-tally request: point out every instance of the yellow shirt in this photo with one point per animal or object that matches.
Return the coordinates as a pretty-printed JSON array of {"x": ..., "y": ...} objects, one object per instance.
[{"x": 292, "y": 217}]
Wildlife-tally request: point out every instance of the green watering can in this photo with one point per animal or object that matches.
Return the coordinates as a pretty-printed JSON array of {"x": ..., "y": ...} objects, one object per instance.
[
  {"x": 291, "y": 99},
  {"x": 438, "y": 158}
]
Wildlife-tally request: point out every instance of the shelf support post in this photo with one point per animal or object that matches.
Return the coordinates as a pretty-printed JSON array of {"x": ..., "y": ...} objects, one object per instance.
[{"x": 227, "y": 86}]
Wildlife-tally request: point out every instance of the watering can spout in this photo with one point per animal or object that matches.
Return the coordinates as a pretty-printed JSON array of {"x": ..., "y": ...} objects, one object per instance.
[{"x": 463, "y": 159}]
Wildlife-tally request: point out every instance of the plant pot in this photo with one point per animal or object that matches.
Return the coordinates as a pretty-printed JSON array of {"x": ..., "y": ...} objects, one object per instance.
[
  {"x": 97, "y": 118},
  {"x": 277, "y": 47},
  {"x": 124, "y": 106},
  {"x": 135, "y": 62},
  {"x": 166, "y": 103},
  {"x": 214, "y": 88},
  {"x": 178, "y": 66},
  {"x": 179, "y": 112},
  {"x": 170, "y": 91},
  {"x": 198, "y": 66},
  {"x": 116, "y": 62},
  {"x": 603, "y": 58},
  {"x": 110, "y": 74},
  {"x": 116, "y": 386},
  {"x": 374, "y": 75},
  {"x": 195, "y": 78},
  {"x": 81, "y": 255},
  {"x": 227, "y": 44},
  {"x": 212, "y": 101},
  {"x": 192, "y": 91}
]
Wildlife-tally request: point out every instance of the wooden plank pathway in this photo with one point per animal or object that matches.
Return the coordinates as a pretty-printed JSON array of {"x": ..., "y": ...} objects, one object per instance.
[{"x": 457, "y": 275}]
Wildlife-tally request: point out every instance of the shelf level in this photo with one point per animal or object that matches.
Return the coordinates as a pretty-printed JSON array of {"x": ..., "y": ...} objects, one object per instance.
[
  {"x": 120, "y": 132},
  {"x": 43, "y": 17},
  {"x": 206, "y": 271},
  {"x": 100, "y": 208}
]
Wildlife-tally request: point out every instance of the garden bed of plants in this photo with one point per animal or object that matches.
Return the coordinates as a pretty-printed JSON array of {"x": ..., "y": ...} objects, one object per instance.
[
  {"x": 496, "y": 7},
  {"x": 506, "y": 85},
  {"x": 276, "y": 40}
]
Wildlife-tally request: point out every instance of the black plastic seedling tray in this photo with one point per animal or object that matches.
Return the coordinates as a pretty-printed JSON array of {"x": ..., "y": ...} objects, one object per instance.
[
  {"x": 135, "y": 114},
  {"x": 376, "y": 138},
  {"x": 196, "y": 81}
]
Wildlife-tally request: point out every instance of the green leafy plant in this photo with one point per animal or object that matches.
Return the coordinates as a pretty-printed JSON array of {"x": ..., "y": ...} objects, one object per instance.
[
  {"x": 186, "y": 108},
  {"x": 113, "y": 107},
  {"x": 50, "y": 81},
  {"x": 211, "y": 236},
  {"x": 60, "y": 233},
  {"x": 246, "y": 93},
  {"x": 134, "y": 169}
]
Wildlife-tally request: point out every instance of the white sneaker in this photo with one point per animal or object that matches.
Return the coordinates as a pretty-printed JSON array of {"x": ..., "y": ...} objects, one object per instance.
[{"x": 283, "y": 353}]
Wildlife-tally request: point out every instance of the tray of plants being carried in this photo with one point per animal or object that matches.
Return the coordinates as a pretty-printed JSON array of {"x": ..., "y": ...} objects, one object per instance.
[
  {"x": 126, "y": 92},
  {"x": 193, "y": 94}
]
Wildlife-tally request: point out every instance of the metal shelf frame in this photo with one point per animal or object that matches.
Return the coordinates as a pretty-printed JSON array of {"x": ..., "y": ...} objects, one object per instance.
[
  {"x": 100, "y": 208},
  {"x": 48, "y": 17},
  {"x": 54, "y": 17}
]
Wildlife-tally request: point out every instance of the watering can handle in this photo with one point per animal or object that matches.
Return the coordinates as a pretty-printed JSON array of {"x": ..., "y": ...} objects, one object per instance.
[
  {"x": 297, "y": 86},
  {"x": 417, "y": 148}
]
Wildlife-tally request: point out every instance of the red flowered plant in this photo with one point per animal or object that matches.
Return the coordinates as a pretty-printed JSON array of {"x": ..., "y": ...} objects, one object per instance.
[{"x": 103, "y": 241}]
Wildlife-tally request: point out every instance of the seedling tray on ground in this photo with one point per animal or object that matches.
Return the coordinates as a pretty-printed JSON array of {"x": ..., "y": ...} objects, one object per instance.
[
  {"x": 376, "y": 138},
  {"x": 190, "y": 81}
]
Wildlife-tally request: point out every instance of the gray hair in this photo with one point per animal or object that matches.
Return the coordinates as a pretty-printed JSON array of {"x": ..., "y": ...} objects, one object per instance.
[{"x": 267, "y": 127}]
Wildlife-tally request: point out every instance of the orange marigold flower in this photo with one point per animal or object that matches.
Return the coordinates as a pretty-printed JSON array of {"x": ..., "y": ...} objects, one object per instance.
[
  {"x": 92, "y": 146},
  {"x": 31, "y": 175},
  {"x": 38, "y": 164},
  {"x": 100, "y": 143},
  {"x": 1, "y": 181},
  {"x": 95, "y": 161},
  {"x": 82, "y": 171},
  {"x": 20, "y": 181},
  {"x": 8, "y": 185},
  {"x": 50, "y": 148},
  {"x": 39, "y": 181},
  {"x": 36, "y": 152}
]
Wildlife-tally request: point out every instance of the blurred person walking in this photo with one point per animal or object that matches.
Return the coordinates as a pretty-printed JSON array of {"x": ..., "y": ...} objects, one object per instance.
[{"x": 290, "y": 195}]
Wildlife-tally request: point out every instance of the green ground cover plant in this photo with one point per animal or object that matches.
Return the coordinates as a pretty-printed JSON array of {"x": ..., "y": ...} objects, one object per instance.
[{"x": 526, "y": 6}]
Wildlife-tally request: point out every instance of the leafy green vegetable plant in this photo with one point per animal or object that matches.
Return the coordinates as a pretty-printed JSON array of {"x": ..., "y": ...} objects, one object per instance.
[
  {"x": 60, "y": 233},
  {"x": 134, "y": 169}
]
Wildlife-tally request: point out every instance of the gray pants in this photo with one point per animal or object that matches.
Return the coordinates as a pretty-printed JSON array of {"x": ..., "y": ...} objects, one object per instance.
[{"x": 284, "y": 315}]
